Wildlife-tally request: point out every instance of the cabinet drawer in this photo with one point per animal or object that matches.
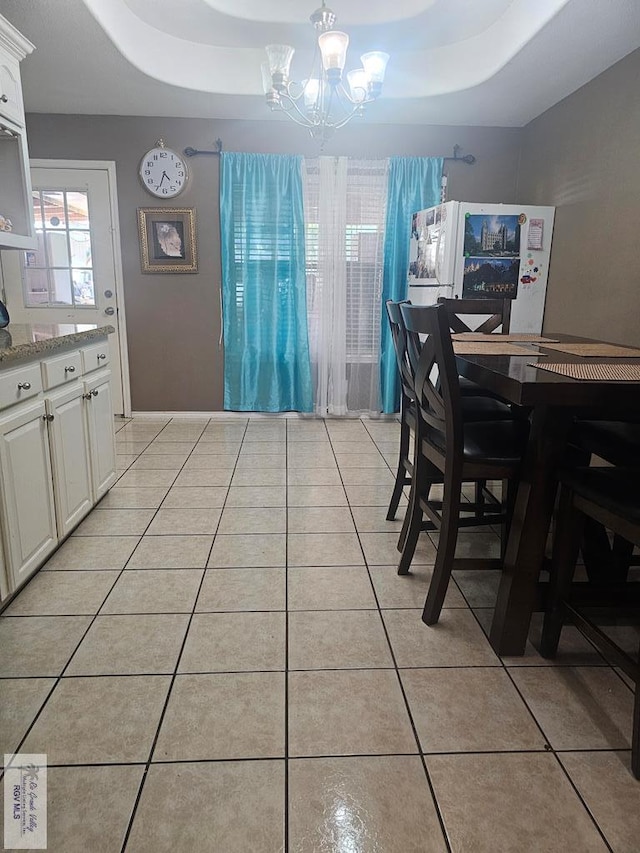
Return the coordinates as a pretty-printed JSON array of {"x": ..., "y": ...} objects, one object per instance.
[
  {"x": 19, "y": 384},
  {"x": 61, "y": 369},
  {"x": 95, "y": 356}
]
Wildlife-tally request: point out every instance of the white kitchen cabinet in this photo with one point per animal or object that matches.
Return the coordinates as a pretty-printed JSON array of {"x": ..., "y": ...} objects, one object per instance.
[
  {"x": 102, "y": 443},
  {"x": 27, "y": 502},
  {"x": 15, "y": 178},
  {"x": 57, "y": 448},
  {"x": 69, "y": 443}
]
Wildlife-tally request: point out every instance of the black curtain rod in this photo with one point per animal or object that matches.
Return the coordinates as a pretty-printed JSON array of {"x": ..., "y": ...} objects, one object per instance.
[
  {"x": 192, "y": 152},
  {"x": 469, "y": 159}
]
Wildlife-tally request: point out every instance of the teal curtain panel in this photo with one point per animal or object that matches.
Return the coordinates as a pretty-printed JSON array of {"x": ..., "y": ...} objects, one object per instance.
[
  {"x": 264, "y": 310},
  {"x": 414, "y": 183}
]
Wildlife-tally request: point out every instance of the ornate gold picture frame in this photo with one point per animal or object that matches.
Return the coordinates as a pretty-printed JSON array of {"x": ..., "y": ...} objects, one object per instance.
[{"x": 168, "y": 241}]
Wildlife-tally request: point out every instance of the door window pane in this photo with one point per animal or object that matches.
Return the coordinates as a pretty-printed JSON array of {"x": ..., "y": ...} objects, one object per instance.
[
  {"x": 61, "y": 288},
  {"x": 78, "y": 210},
  {"x": 54, "y": 209},
  {"x": 37, "y": 211},
  {"x": 80, "y": 242},
  {"x": 60, "y": 270},
  {"x": 36, "y": 287},
  {"x": 83, "y": 292},
  {"x": 58, "y": 250}
]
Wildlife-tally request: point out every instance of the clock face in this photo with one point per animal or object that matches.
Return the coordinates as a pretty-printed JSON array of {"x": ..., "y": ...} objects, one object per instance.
[{"x": 163, "y": 173}]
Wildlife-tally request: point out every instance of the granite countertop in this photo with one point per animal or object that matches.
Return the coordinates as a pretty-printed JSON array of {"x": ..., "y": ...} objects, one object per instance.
[{"x": 19, "y": 341}]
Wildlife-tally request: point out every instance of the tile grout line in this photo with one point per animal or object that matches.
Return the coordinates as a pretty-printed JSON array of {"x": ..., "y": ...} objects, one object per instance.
[
  {"x": 169, "y": 691},
  {"x": 429, "y": 781}
]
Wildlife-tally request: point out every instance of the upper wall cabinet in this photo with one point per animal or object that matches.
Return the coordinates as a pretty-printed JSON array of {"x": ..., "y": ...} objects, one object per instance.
[{"x": 16, "y": 219}]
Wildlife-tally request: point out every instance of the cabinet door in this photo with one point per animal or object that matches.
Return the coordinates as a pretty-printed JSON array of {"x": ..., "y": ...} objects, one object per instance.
[
  {"x": 28, "y": 516},
  {"x": 69, "y": 456},
  {"x": 101, "y": 433},
  {"x": 10, "y": 90}
]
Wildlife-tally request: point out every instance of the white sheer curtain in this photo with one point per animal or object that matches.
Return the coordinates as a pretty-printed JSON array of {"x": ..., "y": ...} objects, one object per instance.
[{"x": 344, "y": 218}]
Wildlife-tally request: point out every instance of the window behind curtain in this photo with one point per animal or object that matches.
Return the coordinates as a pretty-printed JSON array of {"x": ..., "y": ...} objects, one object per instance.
[{"x": 344, "y": 221}]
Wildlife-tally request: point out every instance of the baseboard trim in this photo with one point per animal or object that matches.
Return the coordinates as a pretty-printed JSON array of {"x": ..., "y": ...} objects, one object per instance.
[{"x": 235, "y": 416}]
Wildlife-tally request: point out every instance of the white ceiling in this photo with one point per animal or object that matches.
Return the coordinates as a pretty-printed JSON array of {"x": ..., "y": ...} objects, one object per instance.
[{"x": 466, "y": 62}]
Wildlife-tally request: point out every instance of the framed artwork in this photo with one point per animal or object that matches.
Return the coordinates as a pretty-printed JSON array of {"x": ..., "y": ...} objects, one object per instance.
[{"x": 168, "y": 239}]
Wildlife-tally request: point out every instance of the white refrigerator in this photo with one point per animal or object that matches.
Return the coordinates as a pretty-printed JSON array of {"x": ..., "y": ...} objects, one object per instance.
[{"x": 483, "y": 251}]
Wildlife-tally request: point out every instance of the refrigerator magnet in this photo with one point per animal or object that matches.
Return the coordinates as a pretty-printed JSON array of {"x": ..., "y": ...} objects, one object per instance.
[{"x": 535, "y": 235}]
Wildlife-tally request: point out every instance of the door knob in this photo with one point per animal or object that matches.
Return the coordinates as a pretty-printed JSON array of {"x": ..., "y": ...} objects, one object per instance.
[{"x": 110, "y": 311}]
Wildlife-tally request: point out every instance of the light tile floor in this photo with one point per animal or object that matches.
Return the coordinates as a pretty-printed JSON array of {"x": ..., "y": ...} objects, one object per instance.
[{"x": 223, "y": 659}]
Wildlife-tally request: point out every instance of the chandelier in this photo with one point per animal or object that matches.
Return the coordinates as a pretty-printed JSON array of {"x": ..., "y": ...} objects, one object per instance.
[{"x": 322, "y": 102}]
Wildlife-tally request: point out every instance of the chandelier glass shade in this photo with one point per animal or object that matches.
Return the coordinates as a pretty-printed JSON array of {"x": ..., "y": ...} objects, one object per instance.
[{"x": 324, "y": 101}]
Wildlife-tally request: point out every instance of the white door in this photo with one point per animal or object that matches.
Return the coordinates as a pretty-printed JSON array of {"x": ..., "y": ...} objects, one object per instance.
[{"x": 72, "y": 275}]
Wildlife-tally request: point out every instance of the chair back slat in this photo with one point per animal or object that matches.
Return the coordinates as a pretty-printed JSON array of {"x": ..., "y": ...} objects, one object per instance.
[
  {"x": 400, "y": 345},
  {"x": 436, "y": 378},
  {"x": 498, "y": 309}
]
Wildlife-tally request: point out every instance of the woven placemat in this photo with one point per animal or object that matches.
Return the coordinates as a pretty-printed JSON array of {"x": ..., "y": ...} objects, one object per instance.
[
  {"x": 489, "y": 348},
  {"x": 523, "y": 337},
  {"x": 596, "y": 350},
  {"x": 612, "y": 372}
]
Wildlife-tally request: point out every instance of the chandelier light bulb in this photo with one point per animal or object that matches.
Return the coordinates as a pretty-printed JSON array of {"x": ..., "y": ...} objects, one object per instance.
[
  {"x": 333, "y": 47},
  {"x": 358, "y": 85},
  {"x": 279, "y": 57}
]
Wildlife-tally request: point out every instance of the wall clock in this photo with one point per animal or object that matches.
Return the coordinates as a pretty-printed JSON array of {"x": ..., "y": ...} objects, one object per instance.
[{"x": 163, "y": 172}]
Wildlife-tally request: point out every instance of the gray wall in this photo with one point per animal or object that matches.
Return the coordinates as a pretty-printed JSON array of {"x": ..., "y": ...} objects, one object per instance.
[
  {"x": 583, "y": 155},
  {"x": 173, "y": 321}
]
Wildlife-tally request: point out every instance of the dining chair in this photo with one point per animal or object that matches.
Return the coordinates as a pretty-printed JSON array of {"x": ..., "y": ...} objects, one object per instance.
[
  {"x": 451, "y": 450},
  {"x": 407, "y": 348},
  {"x": 610, "y": 497}
]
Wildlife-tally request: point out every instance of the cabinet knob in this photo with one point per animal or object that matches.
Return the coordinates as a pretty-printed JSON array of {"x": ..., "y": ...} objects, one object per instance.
[
  {"x": 47, "y": 418},
  {"x": 3, "y": 99},
  {"x": 101, "y": 356},
  {"x": 70, "y": 369},
  {"x": 95, "y": 392},
  {"x": 24, "y": 386}
]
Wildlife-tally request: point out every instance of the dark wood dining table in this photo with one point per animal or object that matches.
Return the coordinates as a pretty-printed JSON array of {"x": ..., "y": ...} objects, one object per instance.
[{"x": 555, "y": 401}]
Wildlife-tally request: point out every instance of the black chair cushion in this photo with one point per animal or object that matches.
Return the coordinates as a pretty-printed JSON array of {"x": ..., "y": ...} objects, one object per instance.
[
  {"x": 485, "y": 409},
  {"x": 614, "y": 489},
  {"x": 499, "y": 442},
  {"x": 473, "y": 409},
  {"x": 467, "y": 386},
  {"x": 616, "y": 441}
]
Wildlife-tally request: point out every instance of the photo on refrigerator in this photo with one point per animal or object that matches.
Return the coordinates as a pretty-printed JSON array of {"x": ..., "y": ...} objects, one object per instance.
[{"x": 490, "y": 278}]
